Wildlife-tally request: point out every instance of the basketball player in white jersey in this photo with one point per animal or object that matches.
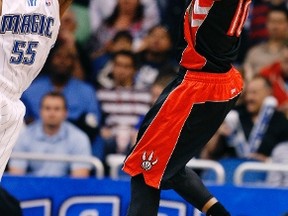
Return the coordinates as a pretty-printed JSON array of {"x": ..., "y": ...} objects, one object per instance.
[{"x": 28, "y": 30}]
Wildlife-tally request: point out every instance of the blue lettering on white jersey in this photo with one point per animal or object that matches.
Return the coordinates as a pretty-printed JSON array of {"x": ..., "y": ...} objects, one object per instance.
[
  {"x": 27, "y": 24},
  {"x": 31, "y": 2}
]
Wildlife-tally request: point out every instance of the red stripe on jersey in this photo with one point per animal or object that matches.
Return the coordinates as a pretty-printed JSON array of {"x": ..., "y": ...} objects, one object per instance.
[
  {"x": 190, "y": 56},
  {"x": 205, "y": 3},
  {"x": 193, "y": 19},
  {"x": 239, "y": 18},
  {"x": 235, "y": 20},
  {"x": 199, "y": 16},
  {"x": 243, "y": 18},
  {"x": 153, "y": 151}
]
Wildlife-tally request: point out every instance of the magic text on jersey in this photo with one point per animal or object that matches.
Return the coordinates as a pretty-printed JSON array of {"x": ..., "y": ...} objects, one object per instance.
[{"x": 24, "y": 24}]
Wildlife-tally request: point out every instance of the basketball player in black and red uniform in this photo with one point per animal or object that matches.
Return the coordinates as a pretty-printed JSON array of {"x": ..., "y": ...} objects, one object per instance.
[{"x": 190, "y": 110}]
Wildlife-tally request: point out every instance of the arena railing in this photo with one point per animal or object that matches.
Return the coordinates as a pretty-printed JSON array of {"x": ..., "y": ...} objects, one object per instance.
[
  {"x": 97, "y": 164},
  {"x": 209, "y": 165},
  {"x": 115, "y": 161},
  {"x": 258, "y": 167}
]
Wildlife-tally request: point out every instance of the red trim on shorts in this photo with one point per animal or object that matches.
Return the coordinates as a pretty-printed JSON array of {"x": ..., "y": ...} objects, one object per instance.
[{"x": 162, "y": 135}]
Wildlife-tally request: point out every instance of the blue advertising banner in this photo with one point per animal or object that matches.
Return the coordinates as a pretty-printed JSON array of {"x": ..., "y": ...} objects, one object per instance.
[{"x": 106, "y": 197}]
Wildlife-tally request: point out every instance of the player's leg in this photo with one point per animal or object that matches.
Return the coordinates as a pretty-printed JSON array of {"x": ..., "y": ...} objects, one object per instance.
[
  {"x": 199, "y": 127},
  {"x": 11, "y": 120},
  {"x": 188, "y": 185},
  {"x": 144, "y": 199}
]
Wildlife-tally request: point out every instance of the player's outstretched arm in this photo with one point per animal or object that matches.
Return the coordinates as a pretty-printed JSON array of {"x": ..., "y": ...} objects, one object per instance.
[{"x": 64, "y": 4}]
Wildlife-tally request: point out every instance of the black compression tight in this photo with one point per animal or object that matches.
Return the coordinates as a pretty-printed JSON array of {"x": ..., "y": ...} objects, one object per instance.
[
  {"x": 189, "y": 185},
  {"x": 145, "y": 199}
]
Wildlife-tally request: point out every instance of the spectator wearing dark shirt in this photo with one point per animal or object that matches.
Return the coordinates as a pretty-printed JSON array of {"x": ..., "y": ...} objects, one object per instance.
[
  {"x": 252, "y": 130},
  {"x": 83, "y": 107}
]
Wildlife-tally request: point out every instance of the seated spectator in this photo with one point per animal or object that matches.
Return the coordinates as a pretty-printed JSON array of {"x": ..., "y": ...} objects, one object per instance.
[
  {"x": 254, "y": 129},
  {"x": 258, "y": 31},
  {"x": 52, "y": 134},
  {"x": 158, "y": 86},
  {"x": 171, "y": 13},
  {"x": 258, "y": 18},
  {"x": 266, "y": 53},
  {"x": 102, "y": 64},
  {"x": 277, "y": 73},
  {"x": 83, "y": 108},
  {"x": 127, "y": 15},
  {"x": 122, "y": 105},
  {"x": 156, "y": 89},
  {"x": 279, "y": 2},
  {"x": 254, "y": 31},
  {"x": 100, "y": 10},
  {"x": 155, "y": 57},
  {"x": 279, "y": 156},
  {"x": 67, "y": 35}
]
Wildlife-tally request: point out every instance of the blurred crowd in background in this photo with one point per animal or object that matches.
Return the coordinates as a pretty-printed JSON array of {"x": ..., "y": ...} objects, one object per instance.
[{"x": 111, "y": 61}]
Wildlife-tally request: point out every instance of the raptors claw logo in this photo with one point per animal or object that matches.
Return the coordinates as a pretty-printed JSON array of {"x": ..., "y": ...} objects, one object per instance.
[{"x": 148, "y": 163}]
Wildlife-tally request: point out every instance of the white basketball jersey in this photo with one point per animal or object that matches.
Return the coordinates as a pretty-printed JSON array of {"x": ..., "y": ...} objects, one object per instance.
[{"x": 28, "y": 30}]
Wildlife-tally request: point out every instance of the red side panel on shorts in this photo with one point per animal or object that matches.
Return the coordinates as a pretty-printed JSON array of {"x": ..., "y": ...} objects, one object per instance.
[{"x": 154, "y": 149}]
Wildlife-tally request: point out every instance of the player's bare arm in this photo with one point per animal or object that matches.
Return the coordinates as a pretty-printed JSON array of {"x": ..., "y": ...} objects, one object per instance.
[{"x": 64, "y": 4}]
